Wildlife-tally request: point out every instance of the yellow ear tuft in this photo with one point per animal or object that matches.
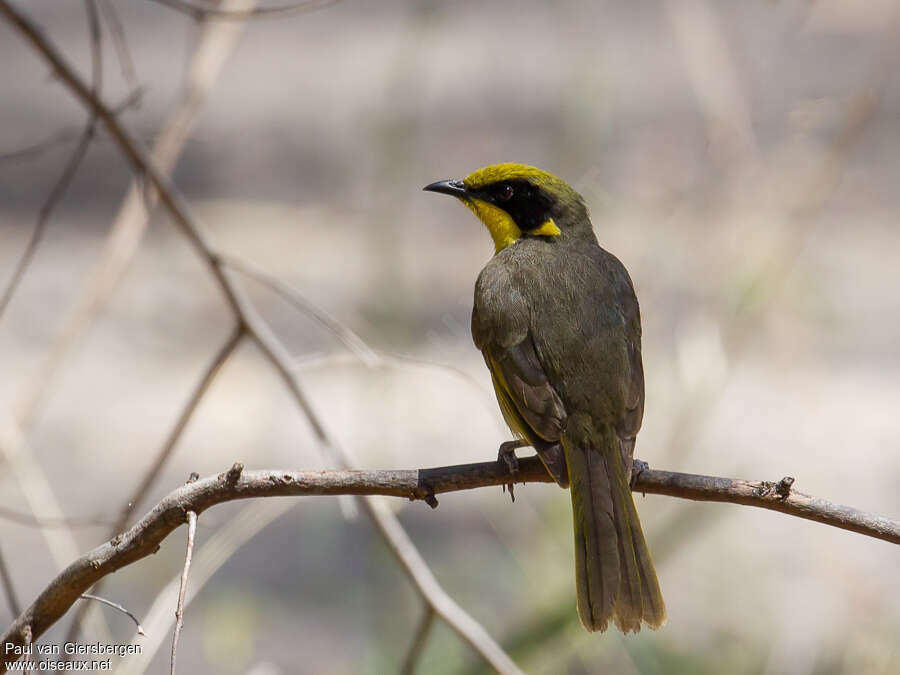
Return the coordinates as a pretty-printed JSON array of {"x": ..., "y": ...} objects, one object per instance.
[{"x": 548, "y": 229}]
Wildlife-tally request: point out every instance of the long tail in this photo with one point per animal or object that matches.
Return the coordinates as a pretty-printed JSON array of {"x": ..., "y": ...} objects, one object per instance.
[{"x": 614, "y": 574}]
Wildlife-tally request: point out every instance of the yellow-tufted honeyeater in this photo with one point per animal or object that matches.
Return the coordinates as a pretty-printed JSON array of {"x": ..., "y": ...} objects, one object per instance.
[{"x": 558, "y": 323}]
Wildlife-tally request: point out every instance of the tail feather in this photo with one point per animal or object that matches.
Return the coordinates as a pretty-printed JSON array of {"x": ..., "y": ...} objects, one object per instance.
[
  {"x": 629, "y": 603},
  {"x": 654, "y": 607},
  {"x": 596, "y": 554},
  {"x": 614, "y": 574}
]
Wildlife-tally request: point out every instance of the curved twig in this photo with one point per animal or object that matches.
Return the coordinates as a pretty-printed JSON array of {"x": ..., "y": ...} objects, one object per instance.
[{"x": 115, "y": 605}]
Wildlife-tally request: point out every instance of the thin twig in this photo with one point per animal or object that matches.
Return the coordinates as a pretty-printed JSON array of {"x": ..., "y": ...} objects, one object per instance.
[
  {"x": 202, "y": 10},
  {"x": 32, "y": 520},
  {"x": 93, "y": 16},
  {"x": 347, "y": 337},
  {"x": 179, "y": 607},
  {"x": 115, "y": 605},
  {"x": 417, "y": 646},
  {"x": 120, "y": 42},
  {"x": 9, "y": 587},
  {"x": 68, "y": 134},
  {"x": 144, "y": 537}
]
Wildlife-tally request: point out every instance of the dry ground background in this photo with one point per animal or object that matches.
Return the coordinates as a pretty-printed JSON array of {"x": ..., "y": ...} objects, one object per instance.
[{"x": 705, "y": 137}]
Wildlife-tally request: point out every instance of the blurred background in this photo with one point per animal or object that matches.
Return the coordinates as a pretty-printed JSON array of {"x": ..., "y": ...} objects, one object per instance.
[{"x": 741, "y": 158}]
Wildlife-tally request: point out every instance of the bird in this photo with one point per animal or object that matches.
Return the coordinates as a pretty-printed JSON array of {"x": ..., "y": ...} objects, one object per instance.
[{"x": 558, "y": 323}]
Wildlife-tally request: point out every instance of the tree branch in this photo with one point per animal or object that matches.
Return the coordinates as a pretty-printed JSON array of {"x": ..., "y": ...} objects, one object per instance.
[{"x": 144, "y": 538}]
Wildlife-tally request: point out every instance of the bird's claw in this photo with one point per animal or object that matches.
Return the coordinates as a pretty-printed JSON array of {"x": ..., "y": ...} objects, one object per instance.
[
  {"x": 507, "y": 454},
  {"x": 638, "y": 467}
]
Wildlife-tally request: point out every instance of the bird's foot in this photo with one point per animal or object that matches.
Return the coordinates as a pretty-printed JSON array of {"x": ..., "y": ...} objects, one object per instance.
[
  {"x": 637, "y": 468},
  {"x": 507, "y": 455}
]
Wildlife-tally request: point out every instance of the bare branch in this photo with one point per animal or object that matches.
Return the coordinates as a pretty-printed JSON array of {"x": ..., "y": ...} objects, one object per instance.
[
  {"x": 117, "y": 606},
  {"x": 198, "y": 9},
  {"x": 179, "y": 607},
  {"x": 144, "y": 538}
]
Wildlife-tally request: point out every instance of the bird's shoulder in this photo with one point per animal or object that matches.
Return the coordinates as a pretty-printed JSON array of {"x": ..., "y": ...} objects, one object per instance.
[{"x": 504, "y": 290}]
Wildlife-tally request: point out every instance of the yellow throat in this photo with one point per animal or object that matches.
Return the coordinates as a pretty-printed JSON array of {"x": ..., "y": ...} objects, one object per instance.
[{"x": 499, "y": 223}]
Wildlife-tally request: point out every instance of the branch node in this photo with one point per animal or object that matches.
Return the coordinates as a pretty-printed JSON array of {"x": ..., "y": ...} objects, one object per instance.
[
  {"x": 233, "y": 474},
  {"x": 193, "y": 478},
  {"x": 424, "y": 491},
  {"x": 783, "y": 488}
]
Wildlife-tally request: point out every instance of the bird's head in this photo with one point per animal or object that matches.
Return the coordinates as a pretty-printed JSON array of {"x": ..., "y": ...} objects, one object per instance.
[{"x": 515, "y": 201}]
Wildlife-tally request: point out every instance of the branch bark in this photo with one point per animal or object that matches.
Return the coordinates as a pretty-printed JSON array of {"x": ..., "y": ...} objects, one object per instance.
[{"x": 144, "y": 538}]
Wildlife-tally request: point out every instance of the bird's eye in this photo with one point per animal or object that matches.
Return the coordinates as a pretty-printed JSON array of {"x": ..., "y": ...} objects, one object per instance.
[{"x": 505, "y": 193}]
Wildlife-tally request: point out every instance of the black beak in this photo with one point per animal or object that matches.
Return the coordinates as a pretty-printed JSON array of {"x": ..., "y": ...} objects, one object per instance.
[{"x": 454, "y": 188}]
